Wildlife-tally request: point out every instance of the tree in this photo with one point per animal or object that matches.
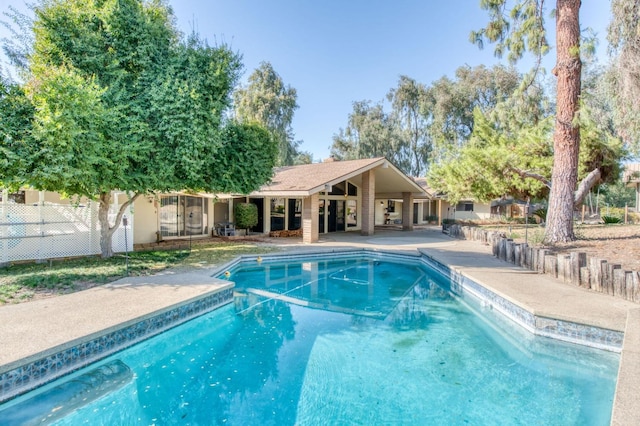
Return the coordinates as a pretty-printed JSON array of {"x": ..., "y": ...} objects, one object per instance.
[
  {"x": 522, "y": 28},
  {"x": 119, "y": 102},
  {"x": 246, "y": 215},
  {"x": 408, "y": 102},
  {"x": 624, "y": 43},
  {"x": 452, "y": 102},
  {"x": 268, "y": 101},
  {"x": 499, "y": 162}
]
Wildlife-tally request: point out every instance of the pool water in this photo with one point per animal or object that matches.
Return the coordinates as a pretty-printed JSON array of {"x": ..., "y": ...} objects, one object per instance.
[{"x": 351, "y": 341}]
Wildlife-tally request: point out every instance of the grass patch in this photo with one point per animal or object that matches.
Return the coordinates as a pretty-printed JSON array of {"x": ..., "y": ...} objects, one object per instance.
[{"x": 21, "y": 282}]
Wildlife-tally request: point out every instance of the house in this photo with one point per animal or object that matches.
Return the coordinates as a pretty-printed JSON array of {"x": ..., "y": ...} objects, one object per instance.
[
  {"x": 314, "y": 199},
  {"x": 436, "y": 205}
]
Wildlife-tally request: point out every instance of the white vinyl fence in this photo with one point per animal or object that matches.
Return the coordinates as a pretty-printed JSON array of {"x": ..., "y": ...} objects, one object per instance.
[{"x": 50, "y": 231}]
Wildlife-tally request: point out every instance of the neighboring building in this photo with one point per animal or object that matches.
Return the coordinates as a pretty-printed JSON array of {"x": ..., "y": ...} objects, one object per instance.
[{"x": 436, "y": 205}]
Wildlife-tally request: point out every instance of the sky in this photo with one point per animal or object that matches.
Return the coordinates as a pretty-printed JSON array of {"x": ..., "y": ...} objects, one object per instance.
[{"x": 336, "y": 52}]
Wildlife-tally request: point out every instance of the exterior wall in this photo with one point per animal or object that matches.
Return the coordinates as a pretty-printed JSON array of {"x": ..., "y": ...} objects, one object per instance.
[
  {"x": 310, "y": 219},
  {"x": 367, "y": 212},
  {"x": 481, "y": 211},
  {"x": 145, "y": 211}
]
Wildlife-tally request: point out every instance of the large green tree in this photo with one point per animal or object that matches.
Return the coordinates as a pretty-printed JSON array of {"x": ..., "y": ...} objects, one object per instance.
[
  {"x": 115, "y": 99},
  {"x": 517, "y": 26},
  {"x": 269, "y": 101}
]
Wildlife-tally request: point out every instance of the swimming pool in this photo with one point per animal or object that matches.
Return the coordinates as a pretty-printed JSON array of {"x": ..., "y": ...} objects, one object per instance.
[{"x": 354, "y": 340}]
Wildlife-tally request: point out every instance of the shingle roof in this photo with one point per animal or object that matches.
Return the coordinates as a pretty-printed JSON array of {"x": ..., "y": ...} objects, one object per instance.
[{"x": 311, "y": 178}]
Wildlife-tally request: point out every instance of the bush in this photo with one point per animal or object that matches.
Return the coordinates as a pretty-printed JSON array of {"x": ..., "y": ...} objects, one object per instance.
[
  {"x": 541, "y": 213},
  {"x": 246, "y": 215},
  {"x": 611, "y": 219}
]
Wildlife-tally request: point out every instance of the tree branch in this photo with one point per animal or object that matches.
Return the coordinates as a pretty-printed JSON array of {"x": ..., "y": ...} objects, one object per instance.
[
  {"x": 531, "y": 175},
  {"x": 585, "y": 186}
]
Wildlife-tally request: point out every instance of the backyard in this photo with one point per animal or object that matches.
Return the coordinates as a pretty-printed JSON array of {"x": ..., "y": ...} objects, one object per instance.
[{"x": 28, "y": 281}]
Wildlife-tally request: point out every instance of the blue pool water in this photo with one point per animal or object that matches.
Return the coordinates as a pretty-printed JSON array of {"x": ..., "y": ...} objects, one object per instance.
[{"x": 351, "y": 341}]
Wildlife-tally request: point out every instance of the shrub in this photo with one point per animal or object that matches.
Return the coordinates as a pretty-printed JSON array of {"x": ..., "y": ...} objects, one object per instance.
[
  {"x": 246, "y": 215},
  {"x": 541, "y": 213},
  {"x": 611, "y": 219}
]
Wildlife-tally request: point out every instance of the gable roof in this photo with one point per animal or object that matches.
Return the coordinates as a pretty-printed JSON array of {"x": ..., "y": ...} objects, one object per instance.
[{"x": 308, "y": 179}]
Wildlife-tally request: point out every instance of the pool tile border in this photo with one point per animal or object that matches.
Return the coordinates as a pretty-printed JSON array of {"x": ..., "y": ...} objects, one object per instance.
[
  {"x": 72, "y": 356},
  {"x": 568, "y": 331}
]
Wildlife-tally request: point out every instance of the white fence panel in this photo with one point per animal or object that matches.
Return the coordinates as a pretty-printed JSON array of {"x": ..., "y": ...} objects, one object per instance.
[{"x": 54, "y": 230}]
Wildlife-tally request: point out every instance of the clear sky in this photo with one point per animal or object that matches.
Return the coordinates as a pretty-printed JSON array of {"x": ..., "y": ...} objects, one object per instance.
[{"x": 335, "y": 52}]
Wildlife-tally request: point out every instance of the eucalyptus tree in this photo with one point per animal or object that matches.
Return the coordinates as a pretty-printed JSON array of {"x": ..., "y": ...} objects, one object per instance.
[
  {"x": 268, "y": 101},
  {"x": 119, "y": 101},
  {"x": 521, "y": 28},
  {"x": 408, "y": 101},
  {"x": 371, "y": 132},
  {"x": 454, "y": 100},
  {"x": 624, "y": 39}
]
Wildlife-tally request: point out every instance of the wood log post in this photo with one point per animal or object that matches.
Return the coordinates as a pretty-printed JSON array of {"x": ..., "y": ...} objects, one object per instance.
[
  {"x": 628, "y": 284},
  {"x": 551, "y": 265},
  {"x": 619, "y": 283},
  {"x": 585, "y": 277},
  {"x": 517, "y": 254},
  {"x": 636, "y": 286},
  {"x": 608, "y": 285},
  {"x": 578, "y": 260},
  {"x": 542, "y": 253},
  {"x": 524, "y": 247},
  {"x": 502, "y": 253},
  {"x": 564, "y": 268},
  {"x": 509, "y": 250},
  {"x": 596, "y": 266}
]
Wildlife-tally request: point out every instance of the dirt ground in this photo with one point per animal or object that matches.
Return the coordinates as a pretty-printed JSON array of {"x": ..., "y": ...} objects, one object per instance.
[{"x": 619, "y": 244}]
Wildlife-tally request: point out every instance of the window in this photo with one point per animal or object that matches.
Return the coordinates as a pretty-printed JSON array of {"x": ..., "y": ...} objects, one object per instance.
[
  {"x": 277, "y": 214},
  {"x": 391, "y": 206},
  {"x": 15, "y": 197},
  {"x": 352, "y": 190},
  {"x": 464, "y": 206}
]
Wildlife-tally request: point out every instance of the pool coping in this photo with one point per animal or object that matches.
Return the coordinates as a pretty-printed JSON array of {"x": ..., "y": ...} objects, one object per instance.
[{"x": 26, "y": 374}]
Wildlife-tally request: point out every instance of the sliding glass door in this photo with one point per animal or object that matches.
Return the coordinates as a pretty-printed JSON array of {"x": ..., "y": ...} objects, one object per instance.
[{"x": 183, "y": 215}]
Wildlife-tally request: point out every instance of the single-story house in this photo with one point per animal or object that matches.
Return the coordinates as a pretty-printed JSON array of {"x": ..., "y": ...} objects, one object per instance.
[{"x": 318, "y": 198}]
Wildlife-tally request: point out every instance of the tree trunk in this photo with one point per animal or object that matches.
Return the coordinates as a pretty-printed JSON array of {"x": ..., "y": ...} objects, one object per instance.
[
  {"x": 106, "y": 231},
  {"x": 566, "y": 139}
]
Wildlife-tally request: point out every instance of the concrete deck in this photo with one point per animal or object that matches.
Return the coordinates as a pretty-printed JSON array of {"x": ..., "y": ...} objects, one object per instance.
[{"x": 32, "y": 328}]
